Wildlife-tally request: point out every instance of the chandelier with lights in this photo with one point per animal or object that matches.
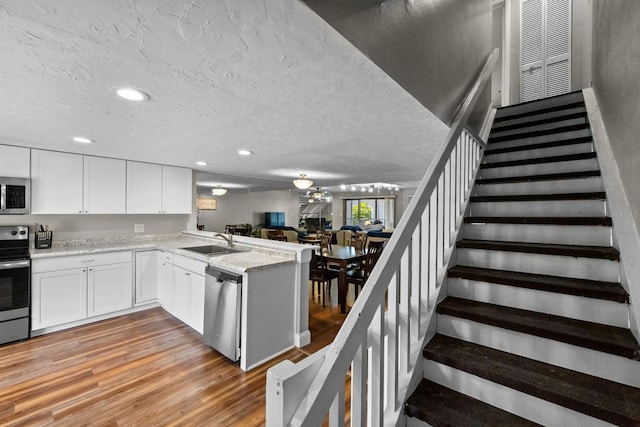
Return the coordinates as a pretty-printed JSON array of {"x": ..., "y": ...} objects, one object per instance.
[
  {"x": 303, "y": 182},
  {"x": 219, "y": 191}
]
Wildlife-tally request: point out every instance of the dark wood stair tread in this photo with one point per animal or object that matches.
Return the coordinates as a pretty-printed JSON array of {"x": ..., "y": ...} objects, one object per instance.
[
  {"x": 440, "y": 406},
  {"x": 604, "y": 338},
  {"x": 600, "y": 252},
  {"x": 609, "y": 291},
  {"x": 537, "y": 220},
  {"x": 539, "y": 160},
  {"x": 603, "y": 399},
  {"x": 536, "y": 133},
  {"x": 562, "y": 143},
  {"x": 597, "y": 195},
  {"x": 503, "y": 114},
  {"x": 542, "y": 177},
  {"x": 538, "y": 122}
]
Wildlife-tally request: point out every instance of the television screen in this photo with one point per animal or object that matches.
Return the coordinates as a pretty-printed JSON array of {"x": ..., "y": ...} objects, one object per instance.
[{"x": 274, "y": 219}]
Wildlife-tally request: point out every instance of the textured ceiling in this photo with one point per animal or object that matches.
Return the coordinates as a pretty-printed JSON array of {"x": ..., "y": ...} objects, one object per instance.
[{"x": 268, "y": 76}]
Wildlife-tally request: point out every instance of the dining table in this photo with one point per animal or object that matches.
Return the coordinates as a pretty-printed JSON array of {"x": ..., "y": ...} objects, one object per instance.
[{"x": 343, "y": 256}]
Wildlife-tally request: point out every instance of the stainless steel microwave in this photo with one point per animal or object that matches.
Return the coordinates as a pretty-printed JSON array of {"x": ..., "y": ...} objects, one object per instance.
[{"x": 15, "y": 195}]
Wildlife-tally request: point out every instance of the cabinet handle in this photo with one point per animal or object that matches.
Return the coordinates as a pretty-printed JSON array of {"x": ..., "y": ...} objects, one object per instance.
[
  {"x": 84, "y": 270},
  {"x": 187, "y": 274},
  {"x": 79, "y": 212},
  {"x": 87, "y": 261}
]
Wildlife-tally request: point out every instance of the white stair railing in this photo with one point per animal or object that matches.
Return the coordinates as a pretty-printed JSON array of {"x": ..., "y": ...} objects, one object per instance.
[{"x": 379, "y": 345}]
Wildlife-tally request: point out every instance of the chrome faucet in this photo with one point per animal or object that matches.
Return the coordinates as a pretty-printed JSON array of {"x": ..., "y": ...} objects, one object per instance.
[{"x": 229, "y": 238}]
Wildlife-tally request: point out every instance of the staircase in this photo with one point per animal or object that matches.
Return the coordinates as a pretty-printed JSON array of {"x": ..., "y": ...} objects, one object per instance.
[{"x": 535, "y": 328}]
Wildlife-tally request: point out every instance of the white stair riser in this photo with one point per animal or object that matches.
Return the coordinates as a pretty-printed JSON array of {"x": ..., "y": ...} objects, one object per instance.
[
  {"x": 585, "y": 185},
  {"x": 533, "y": 128},
  {"x": 570, "y": 208},
  {"x": 562, "y": 150},
  {"x": 536, "y": 117},
  {"x": 552, "y": 265},
  {"x": 542, "y": 104},
  {"x": 520, "y": 142},
  {"x": 571, "y": 306},
  {"x": 540, "y": 169},
  {"x": 508, "y": 399},
  {"x": 591, "y": 362},
  {"x": 532, "y": 233}
]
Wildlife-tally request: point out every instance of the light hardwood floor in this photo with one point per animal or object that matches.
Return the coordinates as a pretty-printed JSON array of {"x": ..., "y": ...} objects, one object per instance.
[{"x": 143, "y": 369}]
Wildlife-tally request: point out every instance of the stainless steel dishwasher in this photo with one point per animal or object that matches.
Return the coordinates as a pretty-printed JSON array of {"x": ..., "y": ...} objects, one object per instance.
[{"x": 222, "y": 304}]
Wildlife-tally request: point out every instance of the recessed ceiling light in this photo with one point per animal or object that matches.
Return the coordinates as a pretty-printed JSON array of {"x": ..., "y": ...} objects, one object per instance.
[
  {"x": 202, "y": 163},
  {"x": 245, "y": 152},
  {"x": 132, "y": 94},
  {"x": 83, "y": 140}
]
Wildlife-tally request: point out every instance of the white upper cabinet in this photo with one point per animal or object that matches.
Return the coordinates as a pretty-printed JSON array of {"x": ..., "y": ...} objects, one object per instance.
[
  {"x": 56, "y": 182},
  {"x": 144, "y": 188},
  {"x": 176, "y": 190},
  {"x": 14, "y": 161},
  {"x": 158, "y": 189},
  {"x": 105, "y": 185}
]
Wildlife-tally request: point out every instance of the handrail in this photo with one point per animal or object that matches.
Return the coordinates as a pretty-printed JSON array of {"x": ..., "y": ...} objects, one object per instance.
[{"x": 381, "y": 340}]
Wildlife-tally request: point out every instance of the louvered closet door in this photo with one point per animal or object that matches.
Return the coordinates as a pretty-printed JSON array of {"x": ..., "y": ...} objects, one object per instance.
[{"x": 545, "y": 48}]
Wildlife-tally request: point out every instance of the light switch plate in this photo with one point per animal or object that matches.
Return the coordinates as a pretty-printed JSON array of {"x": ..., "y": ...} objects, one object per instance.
[{"x": 138, "y": 228}]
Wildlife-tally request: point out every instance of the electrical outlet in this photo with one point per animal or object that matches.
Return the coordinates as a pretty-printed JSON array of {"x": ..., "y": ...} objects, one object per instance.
[{"x": 138, "y": 228}]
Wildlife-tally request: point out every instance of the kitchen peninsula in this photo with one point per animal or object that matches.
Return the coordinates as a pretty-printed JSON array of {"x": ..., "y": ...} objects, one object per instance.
[{"x": 82, "y": 281}]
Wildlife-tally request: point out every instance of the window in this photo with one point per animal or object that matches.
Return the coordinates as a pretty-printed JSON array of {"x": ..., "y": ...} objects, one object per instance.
[{"x": 365, "y": 211}]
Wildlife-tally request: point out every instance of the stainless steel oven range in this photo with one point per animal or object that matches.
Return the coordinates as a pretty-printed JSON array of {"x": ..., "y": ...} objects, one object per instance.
[{"x": 15, "y": 284}]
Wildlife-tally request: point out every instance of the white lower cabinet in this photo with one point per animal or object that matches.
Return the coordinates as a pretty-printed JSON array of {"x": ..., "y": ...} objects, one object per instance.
[
  {"x": 109, "y": 288},
  {"x": 147, "y": 276},
  {"x": 73, "y": 288},
  {"x": 58, "y": 297},
  {"x": 187, "y": 292}
]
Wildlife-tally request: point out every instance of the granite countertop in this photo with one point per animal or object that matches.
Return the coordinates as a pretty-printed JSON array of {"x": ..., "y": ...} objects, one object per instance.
[{"x": 251, "y": 257}]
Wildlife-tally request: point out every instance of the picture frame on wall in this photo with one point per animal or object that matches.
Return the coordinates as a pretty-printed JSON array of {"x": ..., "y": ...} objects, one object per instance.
[{"x": 207, "y": 204}]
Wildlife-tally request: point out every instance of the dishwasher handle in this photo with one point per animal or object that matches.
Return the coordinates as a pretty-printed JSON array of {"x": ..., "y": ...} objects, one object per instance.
[{"x": 222, "y": 275}]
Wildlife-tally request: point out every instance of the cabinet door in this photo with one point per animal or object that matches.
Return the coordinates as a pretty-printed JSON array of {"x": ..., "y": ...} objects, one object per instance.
[
  {"x": 144, "y": 188},
  {"x": 165, "y": 280},
  {"x": 181, "y": 294},
  {"x": 147, "y": 275},
  {"x": 105, "y": 185},
  {"x": 58, "y": 297},
  {"x": 109, "y": 288},
  {"x": 177, "y": 189},
  {"x": 196, "y": 305},
  {"x": 56, "y": 182},
  {"x": 14, "y": 161}
]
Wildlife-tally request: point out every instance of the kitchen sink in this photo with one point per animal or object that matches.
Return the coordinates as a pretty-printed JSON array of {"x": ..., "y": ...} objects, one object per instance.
[{"x": 211, "y": 250}]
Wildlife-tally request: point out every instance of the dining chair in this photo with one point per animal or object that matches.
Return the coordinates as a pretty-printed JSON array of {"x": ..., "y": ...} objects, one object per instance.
[
  {"x": 276, "y": 235},
  {"x": 321, "y": 276},
  {"x": 358, "y": 240},
  {"x": 358, "y": 276}
]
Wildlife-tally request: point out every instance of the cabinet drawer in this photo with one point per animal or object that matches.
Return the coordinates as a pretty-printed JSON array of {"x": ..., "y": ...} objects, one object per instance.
[
  {"x": 190, "y": 264},
  {"x": 79, "y": 261}
]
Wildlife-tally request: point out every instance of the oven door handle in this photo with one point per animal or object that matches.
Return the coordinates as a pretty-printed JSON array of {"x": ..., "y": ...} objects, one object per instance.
[{"x": 13, "y": 264}]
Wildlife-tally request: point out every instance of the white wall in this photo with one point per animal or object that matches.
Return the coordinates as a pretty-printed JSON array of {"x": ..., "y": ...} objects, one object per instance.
[
  {"x": 238, "y": 208},
  {"x": 66, "y": 227}
]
